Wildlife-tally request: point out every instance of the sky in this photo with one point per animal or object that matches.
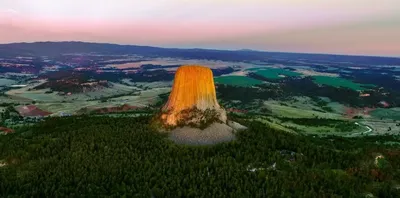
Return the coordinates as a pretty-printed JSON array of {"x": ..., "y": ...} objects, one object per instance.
[{"x": 361, "y": 27}]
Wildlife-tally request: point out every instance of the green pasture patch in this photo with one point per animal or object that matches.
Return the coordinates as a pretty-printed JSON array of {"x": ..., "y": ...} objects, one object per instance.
[
  {"x": 274, "y": 73},
  {"x": 6, "y": 82},
  {"x": 292, "y": 112},
  {"x": 340, "y": 82},
  {"x": 393, "y": 113}
]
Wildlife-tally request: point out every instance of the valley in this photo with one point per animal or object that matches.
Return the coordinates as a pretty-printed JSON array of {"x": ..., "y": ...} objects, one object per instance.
[
  {"x": 79, "y": 83},
  {"x": 80, "y": 121}
]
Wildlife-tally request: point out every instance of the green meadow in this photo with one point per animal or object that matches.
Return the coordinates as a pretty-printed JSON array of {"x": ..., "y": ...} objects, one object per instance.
[
  {"x": 340, "y": 82},
  {"x": 393, "y": 113},
  {"x": 274, "y": 73},
  {"x": 6, "y": 82},
  {"x": 243, "y": 81}
]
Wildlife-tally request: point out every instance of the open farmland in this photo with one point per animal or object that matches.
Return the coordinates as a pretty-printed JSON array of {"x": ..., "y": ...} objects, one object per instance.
[
  {"x": 114, "y": 89},
  {"x": 31, "y": 110},
  {"x": 291, "y": 127},
  {"x": 274, "y": 123},
  {"x": 340, "y": 82},
  {"x": 8, "y": 99},
  {"x": 382, "y": 127},
  {"x": 29, "y": 94},
  {"x": 40, "y": 95},
  {"x": 6, "y": 82},
  {"x": 140, "y": 95},
  {"x": 145, "y": 98},
  {"x": 323, "y": 130},
  {"x": 307, "y": 72},
  {"x": 303, "y": 103},
  {"x": 292, "y": 112},
  {"x": 276, "y": 73},
  {"x": 392, "y": 114},
  {"x": 45, "y": 95},
  {"x": 337, "y": 107},
  {"x": 65, "y": 107},
  {"x": 151, "y": 85}
]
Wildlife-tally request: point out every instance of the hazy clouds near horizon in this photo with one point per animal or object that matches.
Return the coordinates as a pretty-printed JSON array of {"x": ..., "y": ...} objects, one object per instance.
[{"x": 329, "y": 26}]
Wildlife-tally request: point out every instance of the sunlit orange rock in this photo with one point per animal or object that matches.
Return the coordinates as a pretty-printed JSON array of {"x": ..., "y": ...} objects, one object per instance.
[{"x": 193, "y": 91}]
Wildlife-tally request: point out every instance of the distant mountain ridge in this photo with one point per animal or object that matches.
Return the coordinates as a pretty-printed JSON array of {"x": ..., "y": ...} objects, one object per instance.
[{"x": 52, "y": 49}]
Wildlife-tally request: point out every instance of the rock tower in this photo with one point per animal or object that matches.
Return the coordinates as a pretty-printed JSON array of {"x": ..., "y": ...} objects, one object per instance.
[{"x": 193, "y": 98}]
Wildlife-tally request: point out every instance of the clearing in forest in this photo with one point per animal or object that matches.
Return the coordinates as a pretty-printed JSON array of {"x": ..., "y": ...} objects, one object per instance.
[
  {"x": 276, "y": 73},
  {"x": 392, "y": 113},
  {"x": 340, "y": 82}
]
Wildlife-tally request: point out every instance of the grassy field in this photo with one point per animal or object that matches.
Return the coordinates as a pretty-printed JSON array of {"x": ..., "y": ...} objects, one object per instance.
[
  {"x": 303, "y": 102},
  {"x": 337, "y": 107},
  {"x": 66, "y": 107},
  {"x": 339, "y": 82},
  {"x": 317, "y": 130},
  {"x": 6, "y": 82},
  {"x": 393, "y": 113},
  {"x": 237, "y": 81},
  {"x": 42, "y": 96},
  {"x": 275, "y": 123},
  {"x": 145, "y": 98},
  {"x": 275, "y": 73},
  {"x": 380, "y": 127},
  {"x": 293, "y": 112},
  {"x": 36, "y": 95},
  {"x": 115, "y": 89},
  {"x": 116, "y": 95},
  {"x": 5, "y": 99},
  {"x": 156, "y": 84}
]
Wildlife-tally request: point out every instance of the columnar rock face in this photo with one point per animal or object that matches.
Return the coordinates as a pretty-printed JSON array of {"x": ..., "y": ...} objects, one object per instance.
[{"x": 193, "y": 94}]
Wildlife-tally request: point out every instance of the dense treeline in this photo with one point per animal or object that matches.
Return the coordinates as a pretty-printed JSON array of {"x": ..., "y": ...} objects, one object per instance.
[
  {"x": 102, "y": 156},
  {"x": 289, "y": 87},
  {"x": 381, "y": 77},
  {"x": 9, "y": 113},
  {"x": 306, "y": 87}
]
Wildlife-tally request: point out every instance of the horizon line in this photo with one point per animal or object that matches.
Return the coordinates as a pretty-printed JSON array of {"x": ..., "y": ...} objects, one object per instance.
[{"x": 224, "y": 49}]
